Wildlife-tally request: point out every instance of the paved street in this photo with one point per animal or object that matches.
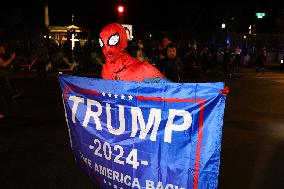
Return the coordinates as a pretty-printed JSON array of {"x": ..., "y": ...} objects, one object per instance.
[
  {"x": 35, "y": 150},
  {"x": 253, "y": 135}
]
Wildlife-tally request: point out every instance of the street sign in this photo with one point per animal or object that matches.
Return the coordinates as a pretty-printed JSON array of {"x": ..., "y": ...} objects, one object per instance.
[
  {"x": 129, "y": 31},
  {"x": 260, "y": 14}
]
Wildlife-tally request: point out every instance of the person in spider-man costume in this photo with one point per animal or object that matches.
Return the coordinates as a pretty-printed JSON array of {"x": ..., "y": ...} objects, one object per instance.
[{"x": 119, "y": 65}]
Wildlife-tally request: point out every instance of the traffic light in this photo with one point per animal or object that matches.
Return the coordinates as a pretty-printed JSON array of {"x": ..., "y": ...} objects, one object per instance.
[{"x": 120, "y": 8}]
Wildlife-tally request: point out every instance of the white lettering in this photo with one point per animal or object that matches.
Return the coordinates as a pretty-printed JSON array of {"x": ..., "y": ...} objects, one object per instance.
[
  {"x": 116, "y": 177},
  {"x": 95, "y": 115},
  {"x": 127, "y": 183},
  {"x": 169, "y": 186},
  {"x": 109, "y": 173},
  {"x": 136, "y": 183},
  {"x": 90, "y": 163},
  {"x": 118, "y": 156},
  {"x": 120, "y": 178},
  {"x": 102, "y": 170},
  {"x": 76, "y": 100},
  {"x": 170, "y": 126},
  {"x": 107, "y": 150},
  {"x": 178, "y": 120},
  {"x": 121, "y": 129},
  {"x": 159, "y": 185},
  {"x": 97, "y": 168},
  {"x": 154, "y": 119},
  {"x": 149, "y": 184}
]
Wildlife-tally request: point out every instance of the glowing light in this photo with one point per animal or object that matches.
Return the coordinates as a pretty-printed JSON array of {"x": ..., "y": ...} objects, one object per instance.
[
  {"x": 228, "y": 40},
  {"x": 249, "y": 27},
  {"x": 282, "y": 61},
  {"x": 73, "y": 40},
  {"x": 223, "y": 25},
  {"x": 260, "y": 14},
  {"x": 245, "y": 36},
  {"x": 150, "y": 35},
  {"x": 120, "y": 9}
]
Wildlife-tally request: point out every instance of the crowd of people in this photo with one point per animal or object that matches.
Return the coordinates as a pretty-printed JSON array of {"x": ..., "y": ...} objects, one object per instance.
[{"x": 177, "y": 63}]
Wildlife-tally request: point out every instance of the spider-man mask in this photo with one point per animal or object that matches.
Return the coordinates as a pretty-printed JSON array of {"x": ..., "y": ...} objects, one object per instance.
[{"x": 113, "y": 41}]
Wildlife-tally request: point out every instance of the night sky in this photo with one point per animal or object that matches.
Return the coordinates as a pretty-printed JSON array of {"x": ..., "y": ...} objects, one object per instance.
[{"x": 145, "y": 14}]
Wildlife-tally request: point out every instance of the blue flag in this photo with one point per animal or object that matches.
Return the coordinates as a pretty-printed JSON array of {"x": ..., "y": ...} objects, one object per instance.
[{"x": 145, "y": 135}]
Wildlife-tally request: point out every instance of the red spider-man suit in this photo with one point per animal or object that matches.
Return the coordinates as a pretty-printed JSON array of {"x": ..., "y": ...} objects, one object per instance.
[{"x": 119, "y": 65}]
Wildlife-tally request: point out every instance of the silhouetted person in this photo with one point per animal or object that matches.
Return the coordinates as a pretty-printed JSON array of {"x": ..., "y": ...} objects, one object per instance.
[
  {"x": 42, "y": 59},
  {"x": 238, "y": 59},
  {"x": 260, "y": 61},
  {"x": 228, "y": 61},
  {"x": 6, "y": 87}
]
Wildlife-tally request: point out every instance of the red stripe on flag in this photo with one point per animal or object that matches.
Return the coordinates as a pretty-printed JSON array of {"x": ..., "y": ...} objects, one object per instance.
[
  {"x": 68, "y": 87},
  {"x": 197, "y": 159},
  {"x": 160, "y": 99},
  {"x": 200, "y": 125}
]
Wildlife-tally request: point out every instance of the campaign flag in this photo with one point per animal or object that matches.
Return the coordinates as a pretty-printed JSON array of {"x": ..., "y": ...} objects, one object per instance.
[{"x": 145, "y": 135}]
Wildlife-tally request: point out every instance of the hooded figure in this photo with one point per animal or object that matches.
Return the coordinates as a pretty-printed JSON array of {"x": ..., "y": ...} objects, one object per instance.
[{"x": 119, "y": 65}]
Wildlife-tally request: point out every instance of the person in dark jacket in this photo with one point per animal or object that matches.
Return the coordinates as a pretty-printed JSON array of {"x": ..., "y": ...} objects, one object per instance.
[
  {"x": 228, "y": 60},
  {"x": 42, "y": 59},
  {"x": 260, "y": 60},
  {"x": 171, "y": 65}
]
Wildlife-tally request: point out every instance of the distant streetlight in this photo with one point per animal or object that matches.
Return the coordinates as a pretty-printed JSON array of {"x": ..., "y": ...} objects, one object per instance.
[
  {"x": 245, "y": 36},
  {"x": 150, "y": 35},
  {"x": 250, "y": 32},
  {"x": 46, "y": 37},
  {"x": 223, "y": 25},
  {"x": 228, "y": 40}
]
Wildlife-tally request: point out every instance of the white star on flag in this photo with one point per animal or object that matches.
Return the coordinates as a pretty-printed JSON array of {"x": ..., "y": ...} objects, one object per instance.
[
  {"x": 122, "y": 96},
  {"x": 130, "y": 97},
  {"x": 103, "y": 93},
  {"x": 109, "y": 95},
  {"x": 115, "y": 95}
]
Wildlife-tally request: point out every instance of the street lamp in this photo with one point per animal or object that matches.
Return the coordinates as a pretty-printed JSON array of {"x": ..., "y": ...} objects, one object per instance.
[{"x": 223, "y": 25}]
